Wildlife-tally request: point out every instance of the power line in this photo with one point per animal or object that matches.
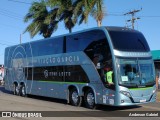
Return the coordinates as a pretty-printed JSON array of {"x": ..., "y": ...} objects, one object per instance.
[
  {"x": 150, "y": 16},
  {"x": 10, "y": 26},
  {"x": 106, "y": 14},
  {"x": 117, "y": 14},
  {"x": 4, "y": 44},
  {"x": 20, "y": 2},
  {"x": 111, "y": 14},
  {"x": 7, "y": 41},
  {"x": 10, "y": 14}
]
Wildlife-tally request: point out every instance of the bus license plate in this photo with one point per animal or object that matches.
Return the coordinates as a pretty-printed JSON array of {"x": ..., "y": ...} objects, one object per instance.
[{"x": 143, "y": 100}]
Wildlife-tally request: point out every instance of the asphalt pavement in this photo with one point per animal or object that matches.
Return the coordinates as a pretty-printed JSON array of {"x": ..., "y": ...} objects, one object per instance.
[{"x": 59, "y": 109}]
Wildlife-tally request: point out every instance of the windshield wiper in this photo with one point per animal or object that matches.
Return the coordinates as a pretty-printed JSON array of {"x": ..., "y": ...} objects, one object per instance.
[
  {"x": 150, "y": 84},
  {"x": 130, "y": 85}
]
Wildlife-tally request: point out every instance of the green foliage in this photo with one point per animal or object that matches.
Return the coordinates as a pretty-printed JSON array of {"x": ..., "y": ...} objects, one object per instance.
[
  {"x": 42, "y": 20},
  {"x": 45, "y": 15}
]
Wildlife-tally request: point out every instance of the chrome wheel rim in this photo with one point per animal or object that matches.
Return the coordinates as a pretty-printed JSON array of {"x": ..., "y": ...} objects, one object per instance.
[
  {"x": 23, "y": 90},
  {"x": 75, "y": 97},
  {"x": 90, "y": 99},
  {"x": 16, "y": 89}
]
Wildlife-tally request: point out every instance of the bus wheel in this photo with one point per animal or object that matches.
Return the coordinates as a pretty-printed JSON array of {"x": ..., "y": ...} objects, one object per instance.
[
  {"x": 23, "y": 90},
  {"x": 89, "y": 99},
  {"x": 75, "y": 100},
  {"x": 16, "y": 89}
]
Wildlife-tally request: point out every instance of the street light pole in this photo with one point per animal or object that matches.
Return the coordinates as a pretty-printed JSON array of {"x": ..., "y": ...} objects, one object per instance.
[{"x": 20, "y": 38}]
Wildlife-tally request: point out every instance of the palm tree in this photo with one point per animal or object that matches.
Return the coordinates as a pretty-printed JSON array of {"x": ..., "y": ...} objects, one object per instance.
[
  {"x": 83, "y": 8},
  {"x": 98, "y": 12},
  {"x": 67, "y": 16},
  {"x": 65, "y": 12},
  {"x": 46, "y": 14},
  {"x": 43, "y": 21}
]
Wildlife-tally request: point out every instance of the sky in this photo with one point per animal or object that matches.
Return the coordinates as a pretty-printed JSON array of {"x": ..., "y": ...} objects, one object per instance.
[{"x": 12, "y": 13}]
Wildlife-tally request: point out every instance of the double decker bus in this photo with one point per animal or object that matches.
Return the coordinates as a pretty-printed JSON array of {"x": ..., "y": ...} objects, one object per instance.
[{"x": 74, "y": 67}]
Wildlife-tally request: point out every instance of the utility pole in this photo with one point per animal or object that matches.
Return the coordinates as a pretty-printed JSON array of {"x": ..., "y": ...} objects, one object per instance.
[
  {"x": 133, "y": 19},
  {"x": 20, "y": 38}
]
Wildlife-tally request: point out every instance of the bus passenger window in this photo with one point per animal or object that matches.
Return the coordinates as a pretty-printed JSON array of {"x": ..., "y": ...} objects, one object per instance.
[{"x": 96, "y": 61}]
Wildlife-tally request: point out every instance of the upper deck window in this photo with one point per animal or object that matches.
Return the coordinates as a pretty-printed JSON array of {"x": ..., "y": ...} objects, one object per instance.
[
  {"x": 128, "y": 41},
  {"x": 47, "y": 47},
  {"x": 81, "y": 41}
]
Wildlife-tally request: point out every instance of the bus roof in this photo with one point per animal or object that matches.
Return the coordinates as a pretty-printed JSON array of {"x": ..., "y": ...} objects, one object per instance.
[
  {"x": 108, "y": 28},
  {"x": 114, "y": 28}
]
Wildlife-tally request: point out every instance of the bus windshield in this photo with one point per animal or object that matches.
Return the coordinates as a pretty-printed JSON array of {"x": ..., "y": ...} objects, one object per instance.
[
  {"x": 129, "y": 41},
  {"x": 135, "y": 73}
]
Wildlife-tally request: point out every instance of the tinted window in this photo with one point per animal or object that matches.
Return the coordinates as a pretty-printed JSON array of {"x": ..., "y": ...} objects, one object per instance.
[
  {"x": 73, "y": 73},
  {"x": 76, "y": 74},
  {"x": 45, "y": 73},
  {"x": 48, "y": 47},
  {"x": 80, "y": 41},
  {"x": 34, "y": 48},
  {"x": 129, "y": 41},
  {"x": 28, "y": 50}
]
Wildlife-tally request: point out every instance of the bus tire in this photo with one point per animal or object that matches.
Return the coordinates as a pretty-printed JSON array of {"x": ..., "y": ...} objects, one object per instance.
[
  {"x": 75, "y": 100},
  {"x": 16, "y": 89},
  {"x": 89, "y": 99},
  {"x": 23, "y": 91}
]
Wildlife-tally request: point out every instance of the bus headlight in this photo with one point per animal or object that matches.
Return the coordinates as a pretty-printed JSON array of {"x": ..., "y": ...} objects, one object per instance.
[{"x": 125, "y": 93}]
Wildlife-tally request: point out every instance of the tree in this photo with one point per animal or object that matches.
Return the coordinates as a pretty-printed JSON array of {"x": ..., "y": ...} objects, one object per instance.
[
  {"x": 84, "y": 8},
  {"x": 98, "y": 12},
  {"x": 65, "y": 12},
  {"x": 42, "y": 21},
  {"x": 46, "y": 14}
]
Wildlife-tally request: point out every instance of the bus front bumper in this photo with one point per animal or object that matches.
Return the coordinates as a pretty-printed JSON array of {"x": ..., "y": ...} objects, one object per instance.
[{"x": 129, "y": 101}]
